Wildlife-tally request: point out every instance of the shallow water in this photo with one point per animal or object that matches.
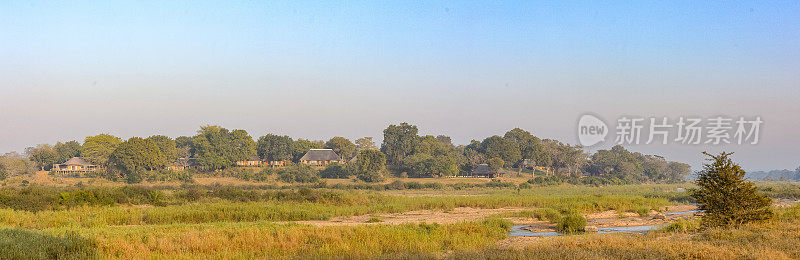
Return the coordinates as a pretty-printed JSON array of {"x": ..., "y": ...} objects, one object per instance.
[{"x": 517, "y": 231}]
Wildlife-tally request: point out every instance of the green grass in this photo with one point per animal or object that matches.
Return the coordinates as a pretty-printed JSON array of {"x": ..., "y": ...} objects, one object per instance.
[{"x": 27, "y": 244}]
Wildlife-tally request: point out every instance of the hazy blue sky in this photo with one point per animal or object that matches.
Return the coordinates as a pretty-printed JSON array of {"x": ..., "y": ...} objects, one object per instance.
[{"x": 466, "y": 69}]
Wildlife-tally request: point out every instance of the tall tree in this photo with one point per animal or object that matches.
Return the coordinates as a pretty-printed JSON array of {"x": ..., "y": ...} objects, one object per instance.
[
  {"x": 725, "y": 197},
  {"x": 399, "y": 142},
  {"x": 365, "y": 143},
  {"x": 184, "y": 146},
  {"x": 134, "y": 157},
  {"x": 97, "y": 148},
  {"x": 44, "y": 156},
  {"x": 341, "y": 146},
  {"x": 274, "y": 147},
  {"x": 65, "y": 151},
  {"x": 167, "y": 147},
  {"x": 217, "y": 148},
  {"x": 502, "y": 148}
]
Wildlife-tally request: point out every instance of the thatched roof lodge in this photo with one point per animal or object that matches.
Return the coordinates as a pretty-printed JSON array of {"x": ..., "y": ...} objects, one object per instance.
[
  {"x": 320, "y": 157},
  {"x": 74, "y": 165},
  {"x": 483, "y": 170}
]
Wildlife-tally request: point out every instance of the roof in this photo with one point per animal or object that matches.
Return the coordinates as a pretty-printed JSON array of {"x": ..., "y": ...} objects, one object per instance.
[
  {"x": 482, "y": 169},
  {"x": 77, "y": 161},
  {"x": 320, "y": 155}
]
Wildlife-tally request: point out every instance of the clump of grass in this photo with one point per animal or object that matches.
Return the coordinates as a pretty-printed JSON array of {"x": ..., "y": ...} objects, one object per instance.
[
  {"x": 26, "y": 244},
  {"x": 374, "y": 220},
  {"x": 683, "y": 226},
  {"x": 643, "y": 211},
  {"x": 571, "y": 223}
]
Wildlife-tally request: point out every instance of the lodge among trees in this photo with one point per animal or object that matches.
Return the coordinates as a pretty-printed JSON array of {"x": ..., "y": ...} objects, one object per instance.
[
  {"x": 74, "y": 165},
  {"x": 403, "y": 153},
  {"x": 320, "y": 157}
]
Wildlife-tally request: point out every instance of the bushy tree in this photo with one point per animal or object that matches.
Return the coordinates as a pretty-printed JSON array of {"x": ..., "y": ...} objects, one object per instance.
[
  {"x": 44, "y": 156},
  {"x": 495, "y": 164},
  {"x": 398, "y": 142},
  {"x": 370, "y": 165},
  {"x": 298, "y": 173},
  {"x": 167, "y": 146},
  {"x": 273, "y": 147},
  {"x": 725, "y": 197},
  {"x": 98, "y": 148},
  {"x": 336, "y": 171},
  {"x": 217, "y": 148},
  {"x": 365, "y": 143},
  {"x": 502, "y": 148},
  {"x": 65, "y": 151},
  {"x": 341, "y": 146},
  {"x": 134, "y": 157}
]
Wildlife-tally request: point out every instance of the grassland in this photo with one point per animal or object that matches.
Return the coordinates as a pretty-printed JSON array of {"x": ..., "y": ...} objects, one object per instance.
[{"x": 258, "y": 221}]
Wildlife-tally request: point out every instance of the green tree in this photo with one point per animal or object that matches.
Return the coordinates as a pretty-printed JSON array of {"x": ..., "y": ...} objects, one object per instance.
[
  {"x": 167, "y": 146},
  {"x": 184, "y": 146},
  {"x": 433, "y": 158},
  {"x": 274, "y": 147},
  {"x": 217, "y": 148},
  {"x": 502, "y": 148},
  {"x": 65, "y": 151},
  {"x": 365, "y": 143},
  {"x": 496, "y": 164},
  {"x": 341, "y": 146},
  {"x": 98, "y": 148},
  {"x": 336, "y": 171},
  {"x": 398, "y": 142},
  {"x": 301, "y": 147},
  {"x": 134, "y": 157},
  {"x": 725, "y": 197},
  {"x": 370, "y": 165},
  {"x": 44, "y": 156}
]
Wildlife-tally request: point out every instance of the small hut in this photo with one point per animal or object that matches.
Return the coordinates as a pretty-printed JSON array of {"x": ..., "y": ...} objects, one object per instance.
[
  {"x": 320, "y": 157},
  {"x": 484, "y": 171}
]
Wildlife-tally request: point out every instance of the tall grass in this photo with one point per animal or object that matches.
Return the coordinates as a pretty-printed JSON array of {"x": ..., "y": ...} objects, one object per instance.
[
  {"x": 26, "y": 244},
  {"x": 269, "y": 240}
]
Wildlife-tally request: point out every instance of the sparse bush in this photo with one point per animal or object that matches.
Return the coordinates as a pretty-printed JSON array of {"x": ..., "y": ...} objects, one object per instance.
[
  {"x": 374, "y": 220},
  {"x": 571, "y": 223},
  {"x": 683, "y": 226},
  {"x": 413, "y": 185},
  {"x": 525, "y": 185},
  {"x": 643, "y": 211}
]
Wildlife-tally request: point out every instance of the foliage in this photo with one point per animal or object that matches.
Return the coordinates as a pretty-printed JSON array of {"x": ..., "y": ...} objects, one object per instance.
[
  {"x": 98, "y": 148},
  {"x": 725, "y": 197},
  {"x": 65, "y": 151},
  {"x": 15, "y": 165},
  {"x": 275, "y": 148},
  {"x": 336, "y": 171},
  {"x": 495, "y": 164},
  {"x": 166, "y": 146},
  {"x": 44, "y": 156},
  {"x": 398, "y": 142},
  {"x": 301, "y": 147},
  {"x": 370, "y": 165},
  {"x": 298, "y": 173},
  {"x": 365, "y": 143},
  {"x": 27, "y": 244},
  {"x": 499, "y": 147},
  {"x": 217, "y": 148},
  {"x": 571, "y": 223},
  {"x": 134, "y": 157},
  {"x": 342, "y": 147}
]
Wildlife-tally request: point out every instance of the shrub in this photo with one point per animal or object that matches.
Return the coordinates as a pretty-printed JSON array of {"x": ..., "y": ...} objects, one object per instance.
[
  {"x": 335, "y": 171},
  {"x": 434, "y": 185},
  {"x": 547, "y": 214},
  {"x": 725, "y": 197},
  {"x": 525, "y": 185},
  {"x": 683, "y": 226},
  {"x": 25, "y": 244},
  {"x": 298, "y": 173},
  {"x": 374, "y": 220},
  {"x": 643, "y": 211},
  {"x": 571, "y": 223},
  {"x": 413, "y": 185},
  {"x": 395, "y": 185}
]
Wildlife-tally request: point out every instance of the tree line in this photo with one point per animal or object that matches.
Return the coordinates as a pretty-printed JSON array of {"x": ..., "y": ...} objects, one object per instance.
[{"x": 403, "y": 153}]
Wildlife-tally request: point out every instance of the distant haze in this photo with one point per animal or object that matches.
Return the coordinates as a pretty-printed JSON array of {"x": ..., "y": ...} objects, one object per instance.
[{"x": 468, "y": 70}]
